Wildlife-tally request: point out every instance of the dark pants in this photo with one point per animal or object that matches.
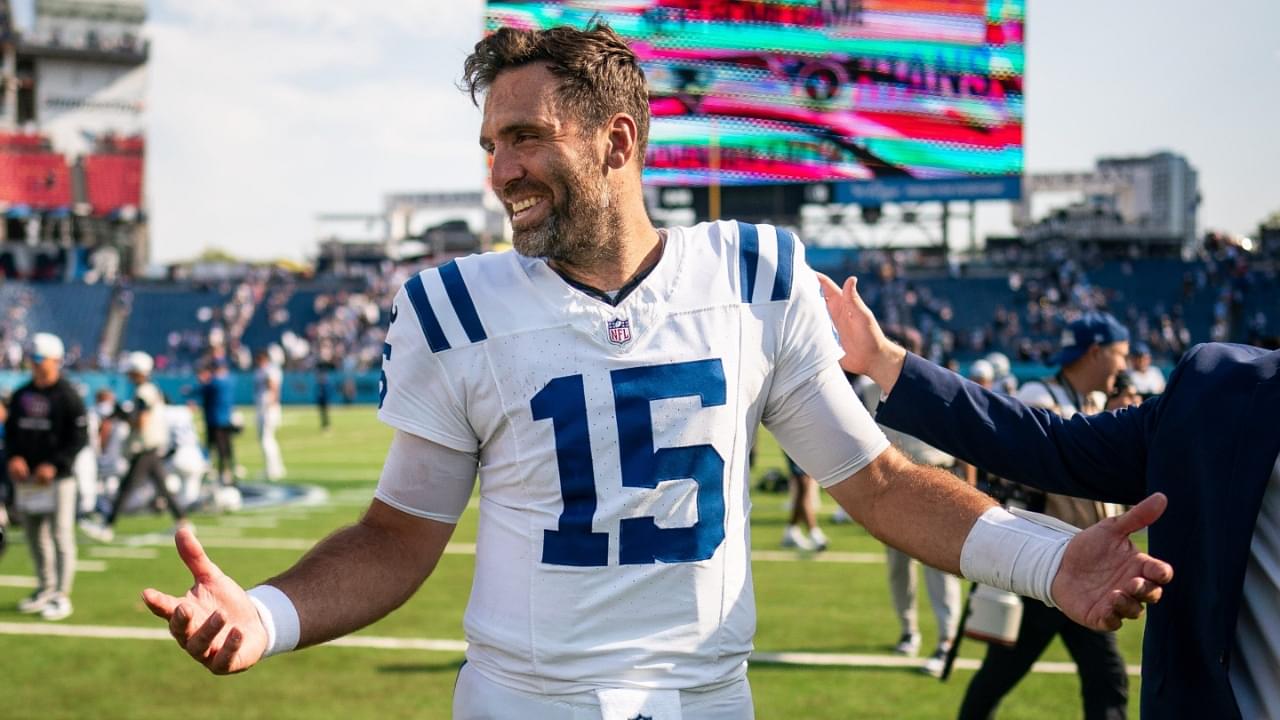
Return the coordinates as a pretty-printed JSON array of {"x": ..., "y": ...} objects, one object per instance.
[
  {"x": 150, "y": 465},
  {"x": 1104, "y": 684},
  {"x": 220, "y": 444}
]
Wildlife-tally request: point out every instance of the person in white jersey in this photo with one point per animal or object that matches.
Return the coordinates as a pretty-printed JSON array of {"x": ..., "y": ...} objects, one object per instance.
[
  {"x": 607, "y": 380},
  {"x": 267, "y": 381}
]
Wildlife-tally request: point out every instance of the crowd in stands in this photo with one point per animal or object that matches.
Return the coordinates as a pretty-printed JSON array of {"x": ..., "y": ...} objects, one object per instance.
[{"x": 1011, "y": 302}]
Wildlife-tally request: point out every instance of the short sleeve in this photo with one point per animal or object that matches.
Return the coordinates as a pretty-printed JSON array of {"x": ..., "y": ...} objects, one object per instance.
[
  {"x": 808, "y": 343},
  {"x": 418, "y": 394}
]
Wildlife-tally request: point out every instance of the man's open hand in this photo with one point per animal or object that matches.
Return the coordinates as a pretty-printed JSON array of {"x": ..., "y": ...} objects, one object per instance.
[
  {"x": 1104, "y": 578},
  {"x": 215, "y": 622}
]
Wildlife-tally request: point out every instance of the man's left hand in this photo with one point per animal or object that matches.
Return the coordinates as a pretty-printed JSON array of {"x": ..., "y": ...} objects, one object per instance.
[
  {"x": 1104, "y": 578},
  {"x": 45, "y": 473}
]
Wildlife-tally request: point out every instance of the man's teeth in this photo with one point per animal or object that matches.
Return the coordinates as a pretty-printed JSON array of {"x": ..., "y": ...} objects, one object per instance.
[{"x": 524, "y": 205}]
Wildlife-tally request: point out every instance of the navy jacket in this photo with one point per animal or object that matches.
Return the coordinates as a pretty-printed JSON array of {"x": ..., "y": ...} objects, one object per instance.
[{"x": 1209, "y": 443}]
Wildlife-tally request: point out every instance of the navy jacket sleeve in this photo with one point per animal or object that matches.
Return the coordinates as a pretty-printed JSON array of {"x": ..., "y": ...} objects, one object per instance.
[{"x": 1101, "y": 457}]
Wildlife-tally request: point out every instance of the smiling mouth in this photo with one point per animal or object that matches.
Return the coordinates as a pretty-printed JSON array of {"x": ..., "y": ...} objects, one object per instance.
[{"x": 521, "y": 208}]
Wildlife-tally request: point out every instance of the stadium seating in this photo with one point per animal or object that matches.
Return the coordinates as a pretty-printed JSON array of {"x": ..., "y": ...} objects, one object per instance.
[
  {"x": 113, "y": 181},
  {"x": 158, "y": 310},
  {"x": 40, "y": 180},
  {"x": 76, "y": 313}
]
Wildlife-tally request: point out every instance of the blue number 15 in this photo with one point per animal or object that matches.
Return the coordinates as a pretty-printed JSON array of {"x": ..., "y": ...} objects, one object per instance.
[{"x": 641, "y": 541}]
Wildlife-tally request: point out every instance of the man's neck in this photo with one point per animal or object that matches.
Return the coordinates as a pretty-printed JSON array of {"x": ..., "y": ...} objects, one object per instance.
[
  {"x": 639, "y": 250},
  {"x": 1076, "y": 377}
]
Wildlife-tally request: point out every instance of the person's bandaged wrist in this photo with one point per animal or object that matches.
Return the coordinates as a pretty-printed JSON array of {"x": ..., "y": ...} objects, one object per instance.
[
  {"x": 1016, "y": 550},
  {"x": 279, "y": 617}
]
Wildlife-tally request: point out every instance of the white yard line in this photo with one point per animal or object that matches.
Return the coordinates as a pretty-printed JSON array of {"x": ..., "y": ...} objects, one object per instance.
[
  {"x": 454, "y": 646},
  {"x": 125, "y": 553},
  {"x": 18, "y": 581}
]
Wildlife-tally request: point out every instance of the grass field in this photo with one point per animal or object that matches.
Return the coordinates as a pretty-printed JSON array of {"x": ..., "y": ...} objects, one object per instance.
[{"x": 814, "y": 607}]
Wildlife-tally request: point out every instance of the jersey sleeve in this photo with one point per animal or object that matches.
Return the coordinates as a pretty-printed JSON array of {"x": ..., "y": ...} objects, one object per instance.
[
  {"x": 825, "y": 428},
  {"x": 418, "y": 394},
  {"x": 808, "y": 343}
]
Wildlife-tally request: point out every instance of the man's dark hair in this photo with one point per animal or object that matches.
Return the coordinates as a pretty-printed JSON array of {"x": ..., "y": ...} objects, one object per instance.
[{"x": 599, "y": 75}]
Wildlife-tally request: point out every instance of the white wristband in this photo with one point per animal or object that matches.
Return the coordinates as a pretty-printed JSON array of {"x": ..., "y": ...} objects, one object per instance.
[
  {"x": 279, "y": 616},
  {"x": 1018, "y": 551}
]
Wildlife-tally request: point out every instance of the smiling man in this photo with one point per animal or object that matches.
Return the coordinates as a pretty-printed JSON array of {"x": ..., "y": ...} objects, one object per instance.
[{"x": 607, "y": 380}]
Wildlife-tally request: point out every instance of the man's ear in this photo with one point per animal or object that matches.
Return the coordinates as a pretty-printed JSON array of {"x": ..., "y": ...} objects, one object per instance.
[{"x": 623, "y": 140}]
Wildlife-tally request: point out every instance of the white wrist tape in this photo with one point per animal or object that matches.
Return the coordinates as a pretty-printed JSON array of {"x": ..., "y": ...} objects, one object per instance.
[
  {"x": 279, "y": 616},
  {"x": 1018, "y": 551}
]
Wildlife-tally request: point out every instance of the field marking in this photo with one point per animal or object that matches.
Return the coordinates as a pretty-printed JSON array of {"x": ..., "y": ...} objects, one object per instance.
[
  {"x": 247, "y": 521},
  {"x": 93, "y": 566},
  {"x": 105, "y": 632},
  {"x": 18, "y": 581},
  {"x": 125, "y": 553}
]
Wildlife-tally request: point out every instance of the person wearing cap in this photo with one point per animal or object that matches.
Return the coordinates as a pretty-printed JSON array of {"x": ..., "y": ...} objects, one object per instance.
[
  {"x": 1148, "y": 379},
  {"x": 1094, "y": 350},
  {"x": 1211, "y": 647},
  {"x": 46, "y": 428},
  {"x": 146, "y": 445}
]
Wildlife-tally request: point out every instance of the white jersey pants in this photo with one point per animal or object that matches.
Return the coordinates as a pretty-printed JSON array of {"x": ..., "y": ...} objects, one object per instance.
[
  {"x": 478, "y": 698},
  {"x": 268, "y": 422}
]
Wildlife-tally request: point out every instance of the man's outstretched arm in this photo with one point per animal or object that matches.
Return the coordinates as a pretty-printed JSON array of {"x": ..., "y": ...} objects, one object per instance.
[
  {"x": 1098, "y": 577},
  {"x": 347, "y": 581},
  {"x": 350, "y": 579}
]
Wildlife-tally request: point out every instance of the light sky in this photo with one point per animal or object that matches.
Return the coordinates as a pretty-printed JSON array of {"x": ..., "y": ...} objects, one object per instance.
[{"x": 263, "y": 114}]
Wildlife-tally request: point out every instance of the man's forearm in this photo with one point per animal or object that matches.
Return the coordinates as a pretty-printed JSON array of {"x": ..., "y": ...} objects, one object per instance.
[
  {"x": 922, "y": 511},
  {"x": 361, "y": 573}
]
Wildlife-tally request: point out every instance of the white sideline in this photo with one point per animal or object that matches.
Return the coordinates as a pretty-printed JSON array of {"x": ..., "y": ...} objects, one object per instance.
[{"x": 106, "y": 632}]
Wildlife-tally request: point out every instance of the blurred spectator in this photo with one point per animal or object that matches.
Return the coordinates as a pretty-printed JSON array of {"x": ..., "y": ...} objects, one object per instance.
[
  {"x": 267, "y": 382},
  {"x": 217, "y": 400},
  {"x": 1146, "y": 378},
  {"x": 802, "y": 528},
  {"x": 45, "y": 430}
]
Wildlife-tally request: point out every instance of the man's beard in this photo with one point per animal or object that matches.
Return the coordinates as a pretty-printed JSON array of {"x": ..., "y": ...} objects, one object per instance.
[{"x": 583, "y": 228}]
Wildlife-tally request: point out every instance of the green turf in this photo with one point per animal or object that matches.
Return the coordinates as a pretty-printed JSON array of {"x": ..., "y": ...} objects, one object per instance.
[{"x": 803, "y": 606}]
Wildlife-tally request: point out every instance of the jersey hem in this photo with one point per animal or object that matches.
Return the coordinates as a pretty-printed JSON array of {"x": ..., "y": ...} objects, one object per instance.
[{"x": 452, "y": 442}]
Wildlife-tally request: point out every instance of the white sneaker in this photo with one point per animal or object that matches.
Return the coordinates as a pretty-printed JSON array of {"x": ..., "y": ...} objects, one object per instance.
[
  {"x": 818, "y": 538},
  {"x": 935, "y": 663},
  {"x": 908, "y": 644},
  {"x": 36, "y": 602},
  {"x": 95, "y": 531},
  {"x": 795, "y": 538},
  {"x": 57, "y": 609},
  {"x": 840, "y": 517}
]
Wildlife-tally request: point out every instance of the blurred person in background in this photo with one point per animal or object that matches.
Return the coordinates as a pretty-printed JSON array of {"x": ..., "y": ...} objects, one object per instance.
[
  {"x": 943, "y": 587},
  {"x": 6, "y": 487},
  {"x": 46, "y": 428},
  {"x": 268, "y": 379},
  {"x": 1148, "y": 379},
  {"x": 217, "y": 400},
  {"x": 145, "y": 447},
  {"x": 1094, "y": 351},
  {"x": 802, "y": 528},
  {"x": 1124, "y": 394}
]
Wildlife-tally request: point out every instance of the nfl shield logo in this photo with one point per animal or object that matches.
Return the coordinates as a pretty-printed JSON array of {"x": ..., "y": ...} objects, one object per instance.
[{"x": 620, "y": 331}]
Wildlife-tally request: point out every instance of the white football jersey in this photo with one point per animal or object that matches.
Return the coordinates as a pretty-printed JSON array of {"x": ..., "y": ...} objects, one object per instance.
[{"x": 613, "y": 544}]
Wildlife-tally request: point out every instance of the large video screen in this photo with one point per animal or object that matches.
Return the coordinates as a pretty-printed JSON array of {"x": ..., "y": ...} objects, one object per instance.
[{"x": 743, "y": 92}]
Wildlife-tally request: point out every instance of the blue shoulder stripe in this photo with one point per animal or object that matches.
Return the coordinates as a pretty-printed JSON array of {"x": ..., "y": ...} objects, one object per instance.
[
  {"x": 426, "y": 316},
  {"x": 460, "y": 297},
  {"x": 786, "y": 258},
  {"x": 749, "y": 241}
]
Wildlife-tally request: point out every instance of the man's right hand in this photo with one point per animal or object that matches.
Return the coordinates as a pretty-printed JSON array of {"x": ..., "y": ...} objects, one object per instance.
[
  {"x": 18, "y": 470},
  {"x": 215, "y": 622},
  {"x": 866, "y": 349}
]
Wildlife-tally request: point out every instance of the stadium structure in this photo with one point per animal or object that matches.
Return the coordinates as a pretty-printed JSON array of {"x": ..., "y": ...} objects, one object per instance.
[{"x": 763, "y": 117}]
